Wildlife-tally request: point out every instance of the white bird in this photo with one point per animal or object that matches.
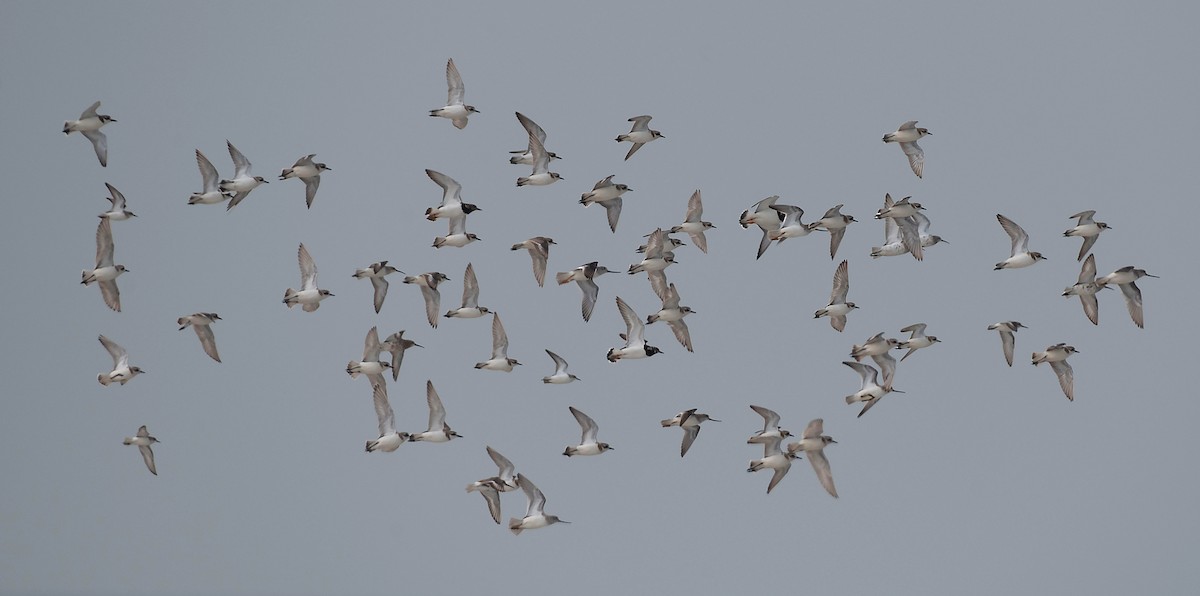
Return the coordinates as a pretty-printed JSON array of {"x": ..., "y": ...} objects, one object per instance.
[
  {"x": 525, "y": 156},
  {"x": 893, "y": 243},
  {"x": 907, "y": 136},
  {"x": 813, "y": 443},
  {"x": 377, "y": 273},
  {"x": 438, "y": 431},
  {"x": 118, "y": 211},
  {"x": 309, "y": 296},
  {"x": 655, "y": 259},
  {"x": 689, "y": 421},
  {"x": 639, "y": 135},
  {"x": 607, "y": 194},
  {"x": 541, "y": 175},
  {"x": 692, "y": 224},
  {"x": 1021, "y": 255},
  {"x": 389, "y": 439},
  {"x": 560, "y": 376},
  {"x": 907, "y": 232},
  {"x": 588, "y": 445},
  {"x": 212, "y": 193},
  {"x": 635, "y": 344},
  {"x": 1086, "y": 228},
  {"x": 143, "y": 440},
  {"x": 470, "y": 308},
  {"x": 791, "y": 227},
  {"x": 452, "y": 206},
  {"x": 1124, "y": 278},
  {"x": 916, "y": 341},
  {"x": 927, "y": 239},
  {"x": 1056, "y": 355},
  {"x": 1087, "y": 288},
  {"x": 535, "y": 517},
  {"x": 309, "y": 172},
  {"x": 539, "y": 252},
  {"x": 455, "y": 110},
  {"x": 491, "y": 487},
  {"x": 499, "y": 360},
  {"x": 121, "y": 371},
  {"x": 243, "y": 181},
  {"x": 770, "y": 425},
  {"x": 584, "y": 276},
  {"x": 835, "y": 223},
  {"x": 428, "y": 282},
  {"x": 672, "y": 314},
  {"x": 838, "y": 307},
  {"x": 370, "y": 365},
  {"x": 774, "y": 459},
  {"x": 870, "y": 391},
  {"x": 395, "y": 344},
  {"x": 202, "y": 323},
  {"x": 1007, "y": 339},
  {"x": 88, "y": 125},
  {"x": 458, "y": 236},
  {"x": 105, "y": 273},
  {"x": 763, "y": 215},
  {"x": 877, "y": 348}
]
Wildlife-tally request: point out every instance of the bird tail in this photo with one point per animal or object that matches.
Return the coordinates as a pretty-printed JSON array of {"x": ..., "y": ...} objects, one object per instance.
[
  {"x": 514, "y": 524},
  {"x": 562, "y": 277},
  {"x": 287, "y": 296},
  {"x": 851, "y": 399},
  {"x": 103, "y": 378}
]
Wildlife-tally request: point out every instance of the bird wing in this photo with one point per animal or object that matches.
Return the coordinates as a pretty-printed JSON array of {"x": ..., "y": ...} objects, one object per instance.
[
  {"x": 695, "y": 208},
  {"x": 820, "y": 465},
  {"x": 433, "y": 301},
  {"x": 590, "y": 292},
  {"x": 1066, "y": 378},
  {"x": 207, "y": 341},
  {"x": 1133, "y": 301},
  {"x": 383, "y": 410},
  {"x": 437, "y": 412},
  {"x": 148, "y": 457},
  {"x": 1020, "y": 240},
  {"x": 117, "y": 199},
  {"x": 815, "y": 429},
  {"x": 587, "y": 424},
  {"x": 208, "y": 173},
  {"x": 308, "y": 269},
  {"x": 381, "y": 287},
  {"x": 532, "y": 128},
  {"x": 371, "y": 347},
  {"x": 770, "y": 418},
  {"x": 537, "y": 500},
  {"x": 310, "y": 189},
  {"x": 99, "y": 144},
  {"x": 680, "y": 329},
  {"x": 104, "y": 244},
  {"x": 470, "y": 297},
  {"x": 1008, "y": 340},
  {"x": 689, "y": 437},
  {"x": 454, "y": 82},
  {"x": 613, "y": 209},
  {"x": 241, "y": 165},
  {"x": 119, "y": 356},
  {"x": 916, "y": 157},
  {"x": 640, "y": 123},
  {"x": 841, "y": 284},
  {"x": 560, "y": 365},
  {"x": 451, "y": 190},
  {"x": 499, "y": 339},
  {"x": 633, "y": 325}
]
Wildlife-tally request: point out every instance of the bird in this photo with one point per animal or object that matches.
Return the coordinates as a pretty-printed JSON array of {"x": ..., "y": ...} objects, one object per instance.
[
  {"x": 309, "y": 296},
  {"x": 377, "y": 273},
  {"x": 927, "y": 239},
  {"x": 560, "y": 376},
  {"x": 370, "y": 365},
  {"x": 452, "y": 206},
  {"x": 774, "y": 459},
  {"x": 143, "y": 440},
  {"x": 770, "y": 426},
  {"x": 491, "y": 487},
  {"x": 525, "y": 156},
  {"x": 1087, "y": 288},
  {"x": 689, "y": 421},
  {"x": 584, "y": 276},
  {"x": 607, "y": 194},
  {"x": 458, "y": 236},
  {"x": 655, "y": 259},
  {"x": 1007, "y": 339},
  {"x": 894, "y": 242},
  {"x": 916, "y": 341},
  {"x": 905, "y": 207},
  {"x": 535, "y": 517},
  {"x": 1086, "y": 228},
  {"x": 499, "y": 360},
  {"x": 121, "y": 371},
  {"x": 105, "y": 273},
  {"x": 243, "y": 181},
  {"x": 88, "y": 125},
  {"x": 877, "y": 348},
  {"x": 212, "y": 193},
  {"x": 588, "y": 445},
  {"x": 1021, "y": 255},
  {"x": 835, "y": 223},
  {"x": 672, "y": 314},
  {"x": 455, "y": 110},
  {"x": 395, "y": 344},
  {"x": 541, "y": 175},
  {"x": 439, "y": 431},
  {"x": 907, "y": 136},
  {"x": 813, "y": 443},
  {"x": 389, "y": 439},
  {"x": 871, "y": 391},
  {"x": 309, "y": 172},
  {"x": 202, "y": 323},
  {"x": 428, "y": 282},
  {"x": 470, "y": 308},
  {"x": 766, "y": 218},
  {"x": 635, "y": 344},
  {"x": 639, "y": 135},
  {"x": 539, "y": 252},
  {"x": 791, "y": 226},
  {"x": 1124, "y": 278},
  {"x": 902, "y": 214},
  {"x": 1056, "y": 355},
  {"x": 118, "y": 211},
  {"x": 838, "y": 307},
  {"x": 692, "y": 224}
]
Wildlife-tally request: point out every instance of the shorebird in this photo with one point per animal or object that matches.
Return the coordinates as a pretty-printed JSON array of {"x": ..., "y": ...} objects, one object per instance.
[
  {"x": 88, "y": 125},
  {"x": 916, "y": 341},
  {"x": 202, "y": 323},
  {"x": 143, "y": 440},
  {"x": 813, "y": 443},
  {"x": 535, "y": 517},
  {"x": 105, "y": 273},
  {"x": 243, "y": 181},
  {"x": 1087, "y": 288},
  {"x": 499, "y": 360},
  {"x": 1007, "y": 339},
  {"x": 907, "y": 136},
  {"x": 689, "y": 421},
  {"x": 1021, "y": 255},
  {"x": 539, "y": 253},
  {"x": 639, "y": 135},
  {"x": 309, "y": 172},
  {"x": 438, "y": 431},
  {"x": 635, "y": 343},
  {"x": 428, "y": 282},
  {"x": 1056, "y": 355},
  {"x": 389, "y": 439},
  {"x": 121, "y": 371},
  {"x": 377, "y": 273},
  {"x": 692, "y": 224},
  {"x": 455, "y": 110},
  {"x": 309, "y": 296},
  {"x": 588, "y": 445},
  {"x": 838, "y": 307},
  {"x": 560, "y": 376},
  {"x": 1086, "y": 228},
  {"x": 585, "y": 277},
  {"x": 1125, "y": 278}
]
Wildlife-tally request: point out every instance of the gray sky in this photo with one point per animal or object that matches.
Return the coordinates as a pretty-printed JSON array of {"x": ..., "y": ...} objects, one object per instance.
[{"x": 980, "y": 477}]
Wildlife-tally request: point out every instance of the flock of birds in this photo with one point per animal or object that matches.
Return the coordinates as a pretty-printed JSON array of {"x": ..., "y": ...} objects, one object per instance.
[{"x": 906, "y": 231}]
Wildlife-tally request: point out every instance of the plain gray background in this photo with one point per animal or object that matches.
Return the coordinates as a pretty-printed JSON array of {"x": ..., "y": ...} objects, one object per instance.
[{"x": 980, "y": 479}]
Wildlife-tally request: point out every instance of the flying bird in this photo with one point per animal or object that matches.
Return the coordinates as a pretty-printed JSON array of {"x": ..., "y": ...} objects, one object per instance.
[
  {"x": 243, "y": 181},
  {"x": 202, "y": 323},
  {"x": 428, "y": 282},
  {"x": 1007, "y": 339},
  {"x": 212, "y": 193},
  {"x": 454, "y": 110},
  {"x": 377, "y": 273},
  {"x": 835, "y": 223},
  {"x": 763, "y": 215},
  {"x": 870, "y": 392},
  {"x": 560, "y": 376},
  {"x": 389, "y": 439},
  {"x": 539, "y": 252},
  {"x": 916, "y": 341},
  {"x": 639, "y": 135},
  {"x": 635, "y": 344},
  {"x": 907, "y": 136},
  {"x": 370, "y": 365},
  {"x": 309, "y": 296},
  {"x": 121, "y": 371},
  {"x": 118, "y": 211},
  {"x": 452, "y": 206},
  {"x": 535, "y": 516},
  {"x": 499, "y": 360},
  {"x": 1086, "y": 228},
  {"x": 525, "y": 156},
  {"x": 584, "y": 276},
  {"x": 309, "y": 172},
  {"x": 672, "y": 314},
  {"x": 607, "y": 194},
  {"x": 88, "y": 125},
  {"x": 774, "y": 459},
  {"x": 470, "y": 308},
  {"x": 541, "y": 175},
  {"x": 395, "y": 344},
  {"x": 693, "y": 225},
  {"x": 1124, "y": 278},
  {"x": 1056, "y": 355},
  {"x": 143, "y": 440},
  {"x": 838, "y": 307},
  {"x": 689, "y": 421},
  {"x": 1021, "y": 255},
  {"x": 813, "y": 443},
  {"x": 438, "y": 431},
  {"x": 491, "y": 487},
  {"x": 1087, "y": 288},
  {"x": 588, "y": 445},
  {"x": 105, "y": 273}
]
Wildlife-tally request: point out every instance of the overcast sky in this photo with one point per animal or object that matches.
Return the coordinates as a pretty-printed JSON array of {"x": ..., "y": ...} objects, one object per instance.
[{"x": 980, "y": 479}]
